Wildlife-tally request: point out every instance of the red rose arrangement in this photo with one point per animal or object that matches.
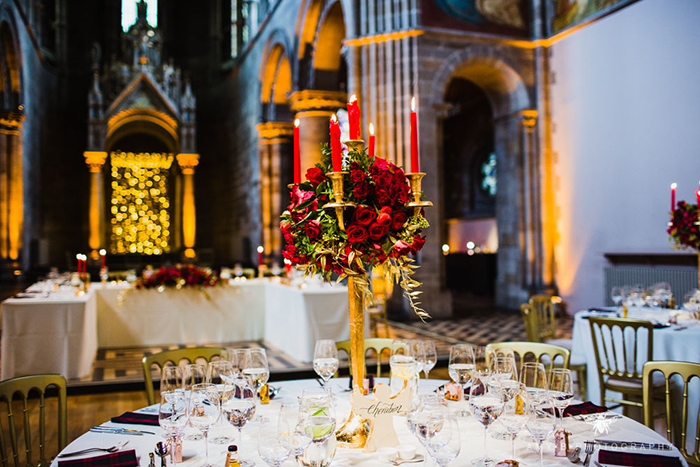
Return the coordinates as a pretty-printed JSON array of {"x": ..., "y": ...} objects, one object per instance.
[
  {"x": 178, "y": 277},
  {"x": 380, "y": 230},
  {"x": 684, "y": 232}
]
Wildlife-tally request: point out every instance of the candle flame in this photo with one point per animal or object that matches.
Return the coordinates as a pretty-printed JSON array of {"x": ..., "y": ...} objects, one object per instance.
[
  {"x": 78, "y": 256},
  {"x": 353, "y": 98},
  {"x": 673, "y": 186},
  {"x": 371, "y": 129},
  {"x": 334, "y": 119},
  {"x": 413, "y": 104},
  {"x": 103, "y": 252},
  {"x": 296, "y": 123},
  {"x": 260, "y": 249}
]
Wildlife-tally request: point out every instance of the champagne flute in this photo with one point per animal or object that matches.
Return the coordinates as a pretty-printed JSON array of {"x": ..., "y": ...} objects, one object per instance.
[
  {"x": 172, "y": 416},
  {"x": 430, "y": 357},
  {"x": 220, "y": 373},
  {"x": 171, "y": 380},
  {"x": 515, "y": 414},
  {"x": 204, "y": 410},
  {"x": 486, "y": 402},
  {"x": 561, "y": 391},
  {"x": 534, "y": 377},
  {"x": 325, "y": 359},
  {"x": 541, "y": 421},
  {"x": 444, "y": 442},
  {"x": 193, "y": 373},
  {"x": 238, "y": 408}
]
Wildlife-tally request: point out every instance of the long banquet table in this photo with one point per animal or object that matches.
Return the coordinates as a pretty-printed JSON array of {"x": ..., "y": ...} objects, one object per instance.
[
  {"x": 61, "y": 333},
  {"x": 471, "y": 433}
]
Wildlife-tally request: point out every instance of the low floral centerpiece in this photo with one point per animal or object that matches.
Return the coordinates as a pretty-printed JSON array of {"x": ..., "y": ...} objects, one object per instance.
[
  {"x": 379, "y": 229},
  {"x": 178, "y": 277},
  {"x": 684, "y": 228}
]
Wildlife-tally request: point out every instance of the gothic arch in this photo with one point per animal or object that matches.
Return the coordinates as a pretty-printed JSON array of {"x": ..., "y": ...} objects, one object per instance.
[
  {"x": 276, "y": 79},
  {"x": 489, "y": 70}
]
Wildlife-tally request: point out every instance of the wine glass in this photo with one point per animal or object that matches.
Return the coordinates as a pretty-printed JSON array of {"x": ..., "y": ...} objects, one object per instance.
[
  {"x": 325, "y": 359},
  {"x": 515, "y": 414},
  {"x": 239, "y": 407},
  {"x": 171, "y": 380},
  {"x": 430, "y": 357},
  {"x": 220, "y": 373},
  {"x": 204, "y": 410},
  {"x": 482, "y": 363},
  {"x": 172, "y": 415},
  {"x": 444, "y": 442},
  {"x": 561, "y": 391},
  {"x": 617, "y": 294},
  {"x": 486, "y": 402},
  {"x": 534, "y": 377},
  {"x": 461, "y": 367},
  {"x": 238, "y": 358},
  {"x": 541, "y": 421},
  {"x": 423, "y": 416},
  {"x": 403, "y": 365},
  {"x": 275, "y": 442},
  {"x": 289, "y": 423},
  {"x": 255, "y": 369},
  {"x": 504, "y": 375},
  {"x": 193, "y": 373},
  {"x": 418, "y": 354}
]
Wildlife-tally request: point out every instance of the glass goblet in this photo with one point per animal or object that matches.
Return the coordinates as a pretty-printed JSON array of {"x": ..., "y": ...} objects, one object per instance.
[
  {"x": 172, "y": 416},
  {"x": 486, "y": 402},
  {"x": 204, "y": 410},
  {"x": 325, "y": 359},
  {"x": 238, "y": 408}
]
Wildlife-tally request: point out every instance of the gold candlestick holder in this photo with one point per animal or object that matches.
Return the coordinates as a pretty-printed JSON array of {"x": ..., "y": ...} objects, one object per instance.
[
  {"x": 339, "y": 204},
  {"x": 415, "y": 180},
  {"x": 356, "y": 145}
]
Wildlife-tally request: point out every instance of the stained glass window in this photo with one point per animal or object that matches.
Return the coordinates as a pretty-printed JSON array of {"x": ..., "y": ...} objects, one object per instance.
[
  {"x": 130, "y": 11},
  {"x": 140, "y": 216},
  {"x": 488, "y": 169}
]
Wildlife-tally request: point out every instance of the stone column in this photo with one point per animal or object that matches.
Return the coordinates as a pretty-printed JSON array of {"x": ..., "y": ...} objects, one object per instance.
[
  {"x": 187, "y": 163},
  {"x": 313, "y": 109},
  {"x": 13, "y": 205},
  {"x": 531, "y": 242},
  {"x": 95, "y": 160},
  {"x": 275, "y": 137},
  {"x": 4, "y": 196}
]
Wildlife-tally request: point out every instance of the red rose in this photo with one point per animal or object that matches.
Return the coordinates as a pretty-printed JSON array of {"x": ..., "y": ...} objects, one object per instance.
[
  {"x": 399, "y": 220},
  {"x": 380, "y": 165},
  {"x": 376, "y": 231},
  {"x": 313, "y": 229},
  {"x": 361, "y": 191},
  {"x": 357, "y": 176},
  {"x": 356, "y": 233},
  {"x": 384, "y": 217},
  {"x": 315, "y": 176},
  {"x": 418, "y": 242},
  {"x": 383, "y": 198},
  {"x": 401, "y": 248},
  {"x": 364, "y": 215}
]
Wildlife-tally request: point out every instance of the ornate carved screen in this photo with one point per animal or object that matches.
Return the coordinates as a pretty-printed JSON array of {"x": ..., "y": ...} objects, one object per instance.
[{"x": 140, "y": 202}]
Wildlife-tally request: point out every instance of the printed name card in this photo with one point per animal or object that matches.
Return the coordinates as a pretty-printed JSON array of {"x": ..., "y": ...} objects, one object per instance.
[{"x": 379, "y": 409}]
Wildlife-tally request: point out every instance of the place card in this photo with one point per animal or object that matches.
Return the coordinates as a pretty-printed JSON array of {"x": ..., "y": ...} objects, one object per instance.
[{"x": 379, "y": 409}]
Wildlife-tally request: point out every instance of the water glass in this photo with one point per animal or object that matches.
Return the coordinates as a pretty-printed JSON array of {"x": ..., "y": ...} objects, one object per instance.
[
  {"x": 204, "y": 410},
  {"x": 444, "y": 442},
  {"x": 325, "y": 359},
  {"x": 172, "y": 415},
  {"x": 430, "y": 357},
  {"x": 275, "y": 442},
  {"x": 486, "y": 402},
  {"x": 541, "y": 421},
  {"x": 237, "y": 408},
  {"x": 534, "y": 377},
  {"x": 515, "y": 414},
  {"x": 171, "y": 380},
  {"x": 561, "y": 390}
]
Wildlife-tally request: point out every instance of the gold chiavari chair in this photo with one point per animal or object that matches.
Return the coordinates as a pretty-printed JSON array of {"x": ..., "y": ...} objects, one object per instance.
[
  {"x": 678, "y": 421},
  {"x": 549, "y": 354},
  {"x": 376, "y": 344}
]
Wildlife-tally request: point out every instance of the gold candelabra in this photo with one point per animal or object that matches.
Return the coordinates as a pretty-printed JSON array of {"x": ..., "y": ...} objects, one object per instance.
[{"x": 415, "y": 180}]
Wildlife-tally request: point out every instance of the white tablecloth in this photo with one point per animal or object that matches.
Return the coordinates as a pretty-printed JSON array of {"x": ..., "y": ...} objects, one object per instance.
[
  {"x": 56, "y": 334},
  {"x": 471, "y": 433}
]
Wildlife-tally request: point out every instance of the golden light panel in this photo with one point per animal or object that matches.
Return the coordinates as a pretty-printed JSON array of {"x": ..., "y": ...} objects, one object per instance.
[{"x": 140, "y": 222}]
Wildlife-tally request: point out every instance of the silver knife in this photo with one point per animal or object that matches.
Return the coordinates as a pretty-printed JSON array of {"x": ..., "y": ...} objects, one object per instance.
[
  {"x": 97, "y": 430},
  {"x": 117, "y": 429},
  {"x": 633, "y": 444}
]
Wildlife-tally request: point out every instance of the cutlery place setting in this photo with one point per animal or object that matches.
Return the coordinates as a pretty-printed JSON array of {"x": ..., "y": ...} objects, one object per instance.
[{"x": 110, "y": 450}]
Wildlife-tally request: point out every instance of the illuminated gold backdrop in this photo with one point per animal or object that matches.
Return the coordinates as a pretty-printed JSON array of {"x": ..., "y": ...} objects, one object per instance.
[{"x": 140, "y": 217}]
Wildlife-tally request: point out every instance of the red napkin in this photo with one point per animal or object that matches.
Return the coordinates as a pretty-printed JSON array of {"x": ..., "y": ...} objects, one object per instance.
[
  {"x": 136, "y": 419},
  {"x": 115, "y": 459},
  {"x": 583, "y": 409},
  {"x": 636, "y": 460}
]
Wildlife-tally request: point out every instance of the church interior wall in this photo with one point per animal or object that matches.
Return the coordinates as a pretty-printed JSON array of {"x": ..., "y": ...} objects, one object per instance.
[{"x": 625, "y": 110}]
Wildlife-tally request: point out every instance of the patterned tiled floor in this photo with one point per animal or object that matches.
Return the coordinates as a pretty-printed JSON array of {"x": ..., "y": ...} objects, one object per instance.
[{"x": 124, "y": 365}]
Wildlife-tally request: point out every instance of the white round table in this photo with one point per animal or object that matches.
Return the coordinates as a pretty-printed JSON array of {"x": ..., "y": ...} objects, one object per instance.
[{"x": 471, "y": 433}]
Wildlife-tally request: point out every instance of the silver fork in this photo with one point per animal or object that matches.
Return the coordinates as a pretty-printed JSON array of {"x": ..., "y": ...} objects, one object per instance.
[
  {"x": 111, "y": 449},
  {"x": 590, "y": 448}
]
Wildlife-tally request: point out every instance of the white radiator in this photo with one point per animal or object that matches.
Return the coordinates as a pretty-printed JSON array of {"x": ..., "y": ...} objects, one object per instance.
[{"x": 682, "y": 279}]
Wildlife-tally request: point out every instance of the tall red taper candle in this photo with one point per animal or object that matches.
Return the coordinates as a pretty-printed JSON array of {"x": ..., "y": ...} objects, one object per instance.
[
  {"x": 673, "y": 196},
  {"x": 354, "y": 117},
  {"x": 697, "y": 194},
  {"x": 260, "y": 256},
  {"x": 103, "y": 253},
  {"x": 370, "y": 151},
  {"x": 414, "y": 137},
  {"x": 297, "y": 153},
  {"x": 78, "y": 258},
  {"x": 336, "y": 151}
]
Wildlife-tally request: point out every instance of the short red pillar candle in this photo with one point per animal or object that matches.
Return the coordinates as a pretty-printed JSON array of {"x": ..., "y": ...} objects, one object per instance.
[{"x": 336, "y": 151}]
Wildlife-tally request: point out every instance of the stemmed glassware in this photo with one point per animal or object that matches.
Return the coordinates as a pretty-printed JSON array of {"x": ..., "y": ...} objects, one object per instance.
[
  {"x": 444, "y": 442},
  {"x": 561, "y": 391},
  {"x": 289, "y": 423},
  {"x": 220, "y": 374},
  {"x": 617, "y": 294},
  {"x": 171, "y": 380},
  {"x": 317, "y": 419},
  {"x": 504, "y": 375},
  {"x": 325, "y": 360},
  {"x": 403, "y": 365},
  {"x": 486, "y": 401},
  {"x": 418, "y": 351},
  {"x": 482, "y": 363},
  {"x": 193, "y": 373},
  {"x": 204, "y": 410},
  {"x": 238, "y": 358},
  {"x": 275, "y": 441},
  {"x": 534, "y": 377},
  {"x": 515, "y": 414},
  {"x": 238, "y": 408},
  {"x": 541, "y": 420},
  {"x": 430, "y": 357},
  {"x": 424, "y": 417},
  {"x": 256, "y": 369},
  {"x": 172, "y": 415},
  {"x": 461, "y": 367}
]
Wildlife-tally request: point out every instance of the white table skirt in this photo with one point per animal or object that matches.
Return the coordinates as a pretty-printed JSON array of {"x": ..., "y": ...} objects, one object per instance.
[
  {"x": 48, "y": 335},
  {"x": 471, "y": 433}
]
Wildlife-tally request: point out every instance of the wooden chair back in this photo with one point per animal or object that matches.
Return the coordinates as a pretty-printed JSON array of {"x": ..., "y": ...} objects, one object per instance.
[
  {"x": 22, "y": 387},
  {"x": 678, "y": 416},
  {"x": 175, "y": 357},
  {"x": 376, "y": 344},
  {"x": 549, "y": 354},
  {"x": 539, "y": 316}
]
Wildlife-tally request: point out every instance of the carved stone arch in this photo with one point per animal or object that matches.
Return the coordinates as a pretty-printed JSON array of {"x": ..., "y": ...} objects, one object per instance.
[
  {"x": 491, "y": 71},
  {"x": 276, "y": 78}
]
